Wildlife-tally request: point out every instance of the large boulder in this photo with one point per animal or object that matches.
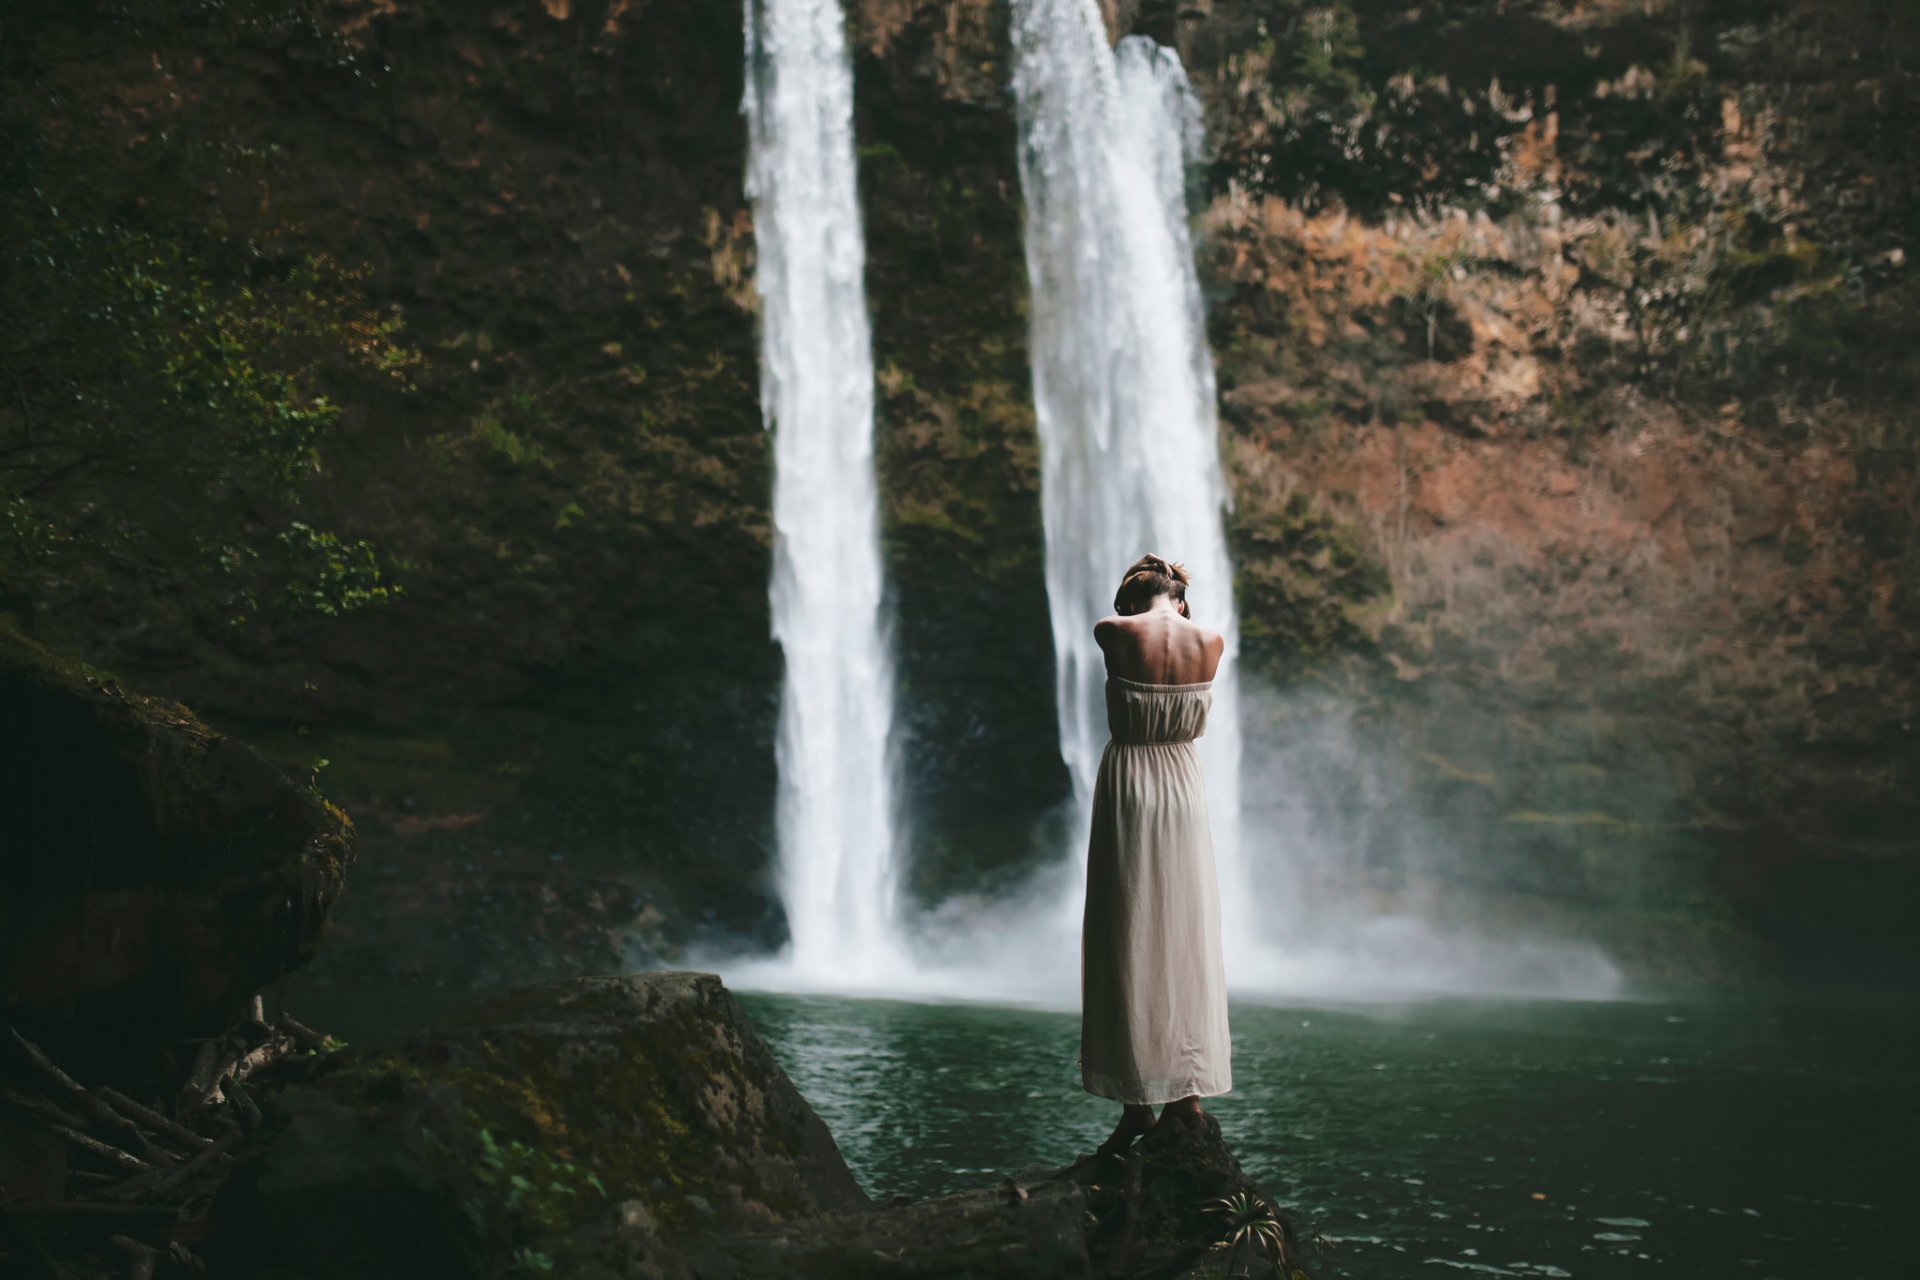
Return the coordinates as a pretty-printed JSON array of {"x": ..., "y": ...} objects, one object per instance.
[
  {"x": 638, "y": 1127},
  {"x": 154, "y": 874},
  {"x": 588, "y": 1126},
  {"x": 1173, "y": 1205}
]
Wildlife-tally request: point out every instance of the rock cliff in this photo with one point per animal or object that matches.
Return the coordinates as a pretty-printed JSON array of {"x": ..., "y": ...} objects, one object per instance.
[{"x": 1566, "y": 390}]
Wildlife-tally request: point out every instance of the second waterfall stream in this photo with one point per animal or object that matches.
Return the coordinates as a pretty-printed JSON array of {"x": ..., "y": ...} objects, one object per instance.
[{"x": 1123, "y": 379}]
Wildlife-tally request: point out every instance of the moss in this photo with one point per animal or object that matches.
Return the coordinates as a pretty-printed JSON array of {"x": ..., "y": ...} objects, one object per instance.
[
  {"x": 438, "y": 774},
  {"x": 1303, "y": 582},
  {"x": 643, "y": 1136}
]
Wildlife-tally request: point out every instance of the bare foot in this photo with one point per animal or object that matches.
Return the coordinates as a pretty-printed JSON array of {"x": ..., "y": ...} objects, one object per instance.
[{"x": 1187, "y": 1111}]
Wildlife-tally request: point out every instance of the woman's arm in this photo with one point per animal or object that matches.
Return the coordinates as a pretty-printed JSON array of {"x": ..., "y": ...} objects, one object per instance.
[{"x": 1216, "y": 648}]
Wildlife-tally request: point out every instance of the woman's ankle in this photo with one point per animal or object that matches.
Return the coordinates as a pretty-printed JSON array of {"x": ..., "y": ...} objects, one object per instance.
[{"x": 1187, "y": 1109}]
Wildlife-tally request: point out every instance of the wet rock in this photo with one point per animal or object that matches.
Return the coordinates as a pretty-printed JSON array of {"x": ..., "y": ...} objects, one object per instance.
[
  {"x": 637, "y": 1126},
  {"x": 1030, "y": 1231},
  {"x": 586, "y": 1126},
  {"x": 1177, "y": 1194},
  {"x": 1164, "y": 1211},
  {"x": 156, "y": 873}
]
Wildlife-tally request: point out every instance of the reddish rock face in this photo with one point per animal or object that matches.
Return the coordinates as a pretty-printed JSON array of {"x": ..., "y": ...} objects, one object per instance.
[{"x": 1624, "y": 467}]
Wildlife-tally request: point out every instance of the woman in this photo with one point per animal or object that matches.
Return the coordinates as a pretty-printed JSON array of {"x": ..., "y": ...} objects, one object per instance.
[{"x": 1152, "y": 982}]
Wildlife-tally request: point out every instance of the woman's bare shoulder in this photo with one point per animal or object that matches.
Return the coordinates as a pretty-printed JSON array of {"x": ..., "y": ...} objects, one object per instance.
[{"x": 1208, "y": 637}]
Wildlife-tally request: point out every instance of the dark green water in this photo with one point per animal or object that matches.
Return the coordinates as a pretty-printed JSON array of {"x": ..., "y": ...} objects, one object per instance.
[{"x": 1442, "y": 1138}]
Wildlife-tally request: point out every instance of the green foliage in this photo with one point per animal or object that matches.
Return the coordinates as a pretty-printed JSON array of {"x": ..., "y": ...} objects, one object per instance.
[
  {"x": 1302, "y": 116},
  {"x": 331, "y": 575},
  {"x": 1252, "y": 1224},
  {"x": 161, "y": 371},
  {"x": 510, "y": 426},
  {"x": 1328, "y": 51},
  {"x": 1721, "y": 299},
  {"x": 1683, "y": 74},
  {"x": 542, "y": 1196},
  {"x": 1302, "y": 581}
]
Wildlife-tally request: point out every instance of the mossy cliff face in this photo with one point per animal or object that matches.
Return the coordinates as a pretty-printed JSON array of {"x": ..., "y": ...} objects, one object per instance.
[
  {"x": 580, "y": 676},
  {"x": 1565, "y": 369},
  {"x": 958, "y": 456},
  {"x": 590, "y": 1126},
  {"x": 154, "y": 874}
]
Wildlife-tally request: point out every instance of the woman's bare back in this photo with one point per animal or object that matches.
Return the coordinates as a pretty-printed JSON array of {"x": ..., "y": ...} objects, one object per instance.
[{"x": 1158, "y": 646}]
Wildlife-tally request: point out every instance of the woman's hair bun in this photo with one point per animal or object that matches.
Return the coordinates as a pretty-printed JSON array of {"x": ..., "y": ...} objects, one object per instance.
[
  {"x": 1150, "y": 576},
  {"x": 1160, "y": 564}
]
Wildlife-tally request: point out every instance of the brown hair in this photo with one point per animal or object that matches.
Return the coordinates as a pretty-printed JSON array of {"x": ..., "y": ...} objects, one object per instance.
[{"x": 1151, "y": 576}]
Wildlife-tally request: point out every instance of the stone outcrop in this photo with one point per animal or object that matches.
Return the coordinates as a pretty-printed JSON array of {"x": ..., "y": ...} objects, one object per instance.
[
  {"x": 637, "y": 1126},
  {"x": 596, "y": 1122},
  {"x": 1178, "y": 1194},
  {"x": 154, "y": 874}
]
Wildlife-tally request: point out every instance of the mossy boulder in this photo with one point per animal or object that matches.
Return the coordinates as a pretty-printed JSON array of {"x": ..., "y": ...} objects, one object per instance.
[
  {"x": 154, "y": 874},
  {"x": 637, "y": 1126},
  {"x": 585, "y": 1127}
]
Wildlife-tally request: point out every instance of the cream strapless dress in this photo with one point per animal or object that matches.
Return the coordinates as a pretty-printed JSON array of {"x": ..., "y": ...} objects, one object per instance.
[{"x": 1153, "y": 994}]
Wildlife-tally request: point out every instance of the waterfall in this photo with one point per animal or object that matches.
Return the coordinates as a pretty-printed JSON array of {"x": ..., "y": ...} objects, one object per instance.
[
  {"x": 1123, "y": 389},
  {"x": 836, "y": 794},
  {"x": 1122, "y": 376}
]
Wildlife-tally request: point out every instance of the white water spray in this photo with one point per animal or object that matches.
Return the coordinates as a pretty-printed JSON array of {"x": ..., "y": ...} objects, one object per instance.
[
  {"x": 1122, "y": 376},
  {"x": 835, "y": 805}
]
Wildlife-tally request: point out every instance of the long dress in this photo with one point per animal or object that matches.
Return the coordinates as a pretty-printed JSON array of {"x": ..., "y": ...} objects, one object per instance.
[{"x": 1153, "y": 996}]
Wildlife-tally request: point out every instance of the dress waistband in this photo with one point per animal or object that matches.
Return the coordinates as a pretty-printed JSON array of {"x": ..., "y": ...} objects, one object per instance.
[{"x": 1160, "y": 688}]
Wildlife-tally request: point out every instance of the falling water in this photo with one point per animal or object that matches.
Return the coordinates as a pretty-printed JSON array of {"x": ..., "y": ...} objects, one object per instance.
[
  {"x": 1130, "y": 462},
  {"x": 1122, "y": 376},
  {"x": 1124, "y": 392},
  {"x": 835, "y": 806}
]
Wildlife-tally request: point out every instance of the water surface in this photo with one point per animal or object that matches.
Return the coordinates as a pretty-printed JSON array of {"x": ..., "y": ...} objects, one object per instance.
[{"x": 1443, "y": 1138}]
